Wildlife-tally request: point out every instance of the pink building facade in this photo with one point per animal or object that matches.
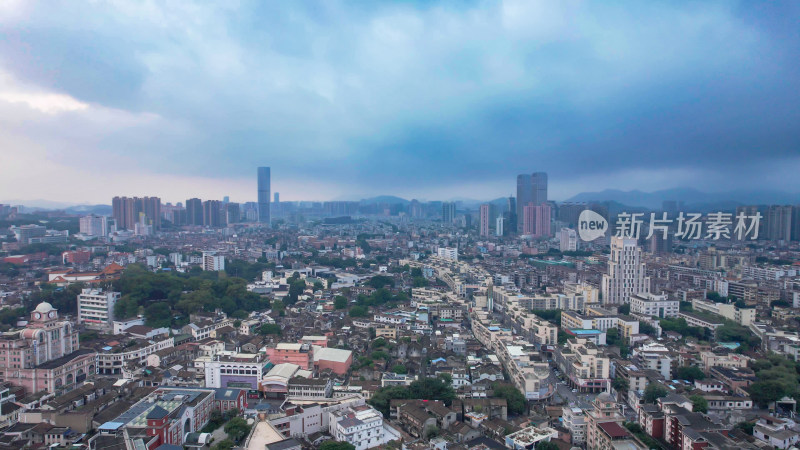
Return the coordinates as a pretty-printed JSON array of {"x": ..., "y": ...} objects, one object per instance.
[
  {"x": 536, "y": 220},
  {"x": 300, "y": 354},
  {"x": 45, "y": 355}
]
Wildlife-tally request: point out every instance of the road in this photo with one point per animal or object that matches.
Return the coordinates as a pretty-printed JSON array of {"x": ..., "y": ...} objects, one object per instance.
[{"x": 219, "y": 434}]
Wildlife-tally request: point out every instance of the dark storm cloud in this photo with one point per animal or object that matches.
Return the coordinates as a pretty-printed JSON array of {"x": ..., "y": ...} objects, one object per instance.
[{"x": 440, "y": 95}]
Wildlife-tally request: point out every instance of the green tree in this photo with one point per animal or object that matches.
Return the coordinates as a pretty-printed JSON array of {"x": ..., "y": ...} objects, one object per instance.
[
  {"x": 699, "y": 403},
  {"x": 746, "y": 427},
  {"x": 646, "y": 328},
  {"x": 335, "y": 445},
  {"x": 515, "y": 400},
  {"x": 358, "y": 311},
  {"x": 399, "y": 368},
  {"x": 624, "y": 309},
  {"x": 237, "y": 428},
  {"x": 765, "y": 392},
  {"x": 551, "y": 315},
  {"x": 380, "y": 281},
  {"x": 270, "y": 328},
  {"x": 340, "y": 302},
  {"x": 296, "y": 288},
  {"x": 158, "y": 315},
  {"x": 654, "y": 391},
  {"x": 612, "y": 337},
  {"x": 546, "y": 445},
  {"x": 620, "y": 384},
  {"x": 690, "y": 373},
  {"x": 225, "y": 444}
]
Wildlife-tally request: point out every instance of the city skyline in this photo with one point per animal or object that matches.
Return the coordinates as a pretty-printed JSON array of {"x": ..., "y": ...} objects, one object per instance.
[{"x": 659, "y": 96}]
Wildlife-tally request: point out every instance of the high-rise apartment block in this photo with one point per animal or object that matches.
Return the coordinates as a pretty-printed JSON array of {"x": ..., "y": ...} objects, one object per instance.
[
  {"x": 194, "y": 212},
  {"x": 484, "y": 219},
  {"x": 263, "y": 195},
  {"x": 536, "y": 220},
  {"x": 530, "y": 189},
  {"x": 128, "y": 211},
  {"x": 212, "y": 213},
  {"x": 779, "y": 223},
  {"x": 96, "y": 308},
  {"x": 626, "y": 275},
  {"x": 448, "y": 212}
]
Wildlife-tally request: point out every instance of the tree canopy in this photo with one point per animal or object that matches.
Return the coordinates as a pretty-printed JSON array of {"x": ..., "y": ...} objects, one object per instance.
[
  {"x": 515, "y": 400},
  {"x": 654, "y": 391},
  {"x": 426, "y": 389}
]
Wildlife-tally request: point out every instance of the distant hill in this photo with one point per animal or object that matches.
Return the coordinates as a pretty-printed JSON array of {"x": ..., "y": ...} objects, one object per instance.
[
  {"x": 102, "y": 210},
  {"x": 391, "y": 199},
  {"x": 690, "y": 197}
]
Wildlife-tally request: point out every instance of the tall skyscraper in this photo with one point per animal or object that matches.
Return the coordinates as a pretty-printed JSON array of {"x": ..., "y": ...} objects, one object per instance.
[
  {"x": 796, "y": 223},
  {"x": 510, "y": 224},
  {"x": 194, "y": 212},
  {"x": 499, "y": 228},
  {"x": 277, "y": 197},
  {"x": 626, "y": 275},
  {"x": 530, "y": 189},
  {"x": 263, "y": 195},
  {"x": 484, "y": 219},
  {"x": 448, "y": 212}
]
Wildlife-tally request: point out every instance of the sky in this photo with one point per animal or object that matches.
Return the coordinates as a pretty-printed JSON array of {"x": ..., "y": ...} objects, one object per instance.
[{"x": 427, "y": 100}]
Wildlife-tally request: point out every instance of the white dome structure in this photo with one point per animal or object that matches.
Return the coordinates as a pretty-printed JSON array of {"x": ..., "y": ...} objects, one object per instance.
[{"x": 44, "y": 308}]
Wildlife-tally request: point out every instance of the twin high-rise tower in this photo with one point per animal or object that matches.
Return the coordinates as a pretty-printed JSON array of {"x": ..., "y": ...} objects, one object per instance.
[{"x": 263, "y": 194}]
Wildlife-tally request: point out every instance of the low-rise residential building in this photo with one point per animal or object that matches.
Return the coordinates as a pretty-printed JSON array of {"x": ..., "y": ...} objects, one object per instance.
[
  {"x": 360, "y": 426},
  {"x": 236, "y": 370},
  {"x": 584, "y": 366},
  {"x": 575, "y": 421},
  {"x": 653, "y": 305},
  {"x": 776, "y": 432},
  {"x": 727, "y": 360},
  {"x": 742, "y": 316},
  {"x": 310, "y": 387}
]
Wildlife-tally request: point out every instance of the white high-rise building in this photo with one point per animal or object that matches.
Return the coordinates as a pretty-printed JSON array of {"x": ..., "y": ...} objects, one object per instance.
[
  {"x": 93, "y": 225},
  {"x": 484, "y": 218},
  {"x": 569, "y": 240},
  {"x": 96, "y": 308},
  {"x": 213, "y": 262},
  {"x": 499, "y": 226},
  {"x": 626, "y": 272},
  {"x": 447, "y": 253}
]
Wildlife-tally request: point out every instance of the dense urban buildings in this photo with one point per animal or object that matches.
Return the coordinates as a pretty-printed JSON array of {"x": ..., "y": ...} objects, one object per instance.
[{"x": 377, "y": 321}]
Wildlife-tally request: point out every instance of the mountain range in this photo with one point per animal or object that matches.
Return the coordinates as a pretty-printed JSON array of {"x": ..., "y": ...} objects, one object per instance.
[{"x": 691, "y": 199}]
